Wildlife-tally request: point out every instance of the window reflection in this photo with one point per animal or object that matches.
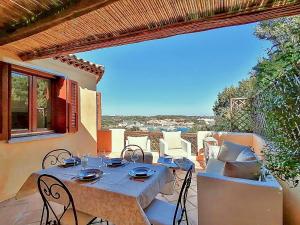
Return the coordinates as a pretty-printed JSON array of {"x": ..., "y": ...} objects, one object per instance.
[
  {"x": 19, "y": 101},
  {"x": 43, "y": 103}
]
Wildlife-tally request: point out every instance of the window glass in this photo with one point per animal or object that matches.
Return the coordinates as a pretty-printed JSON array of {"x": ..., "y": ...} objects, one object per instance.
[
  {"x": 43, "y": 103},
  {"x": 19, "y": 101}
]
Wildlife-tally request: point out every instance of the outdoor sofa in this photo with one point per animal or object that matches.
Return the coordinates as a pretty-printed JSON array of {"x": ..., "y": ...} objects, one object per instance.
[{"x": 225, "y": 197}]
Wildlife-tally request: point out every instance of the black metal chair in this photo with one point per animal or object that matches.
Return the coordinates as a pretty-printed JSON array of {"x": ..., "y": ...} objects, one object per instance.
[
  {"x": 53, "y": 190},
  {"x": 55, "y": 157},
  {"x": 129, "y": 150},
  {"x": 172, "y": 214}
]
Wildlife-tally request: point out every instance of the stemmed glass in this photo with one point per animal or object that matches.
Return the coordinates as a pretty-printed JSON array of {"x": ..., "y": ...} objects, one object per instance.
[
  {"x": 84, "y": 161},
  {"x": 134, "y": 157},
  {"x": 102, "y": 159}
]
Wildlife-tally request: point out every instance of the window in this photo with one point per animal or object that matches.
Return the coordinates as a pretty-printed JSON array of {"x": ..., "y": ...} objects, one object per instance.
[
  {"x": 34, "y": 102},
  {"x": 30, "y": 103}
]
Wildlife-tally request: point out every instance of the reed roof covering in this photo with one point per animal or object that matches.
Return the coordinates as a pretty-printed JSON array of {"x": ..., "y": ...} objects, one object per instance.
[{"x": 121, "y": 22}]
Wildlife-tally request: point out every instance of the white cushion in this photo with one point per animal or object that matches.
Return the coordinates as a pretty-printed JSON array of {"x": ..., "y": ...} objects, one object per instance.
[
  {"x": 162, "y": 213},
  {"x": 140, "y": 141},
  {"x": 229, "y": 151},
  {"x": 173, "y": 139},
  {"x": 246, "y": 170},
  {"x": 246, "y": 155}
]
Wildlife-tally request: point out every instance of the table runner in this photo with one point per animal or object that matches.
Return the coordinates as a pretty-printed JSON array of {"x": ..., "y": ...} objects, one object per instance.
[{"x": 114, "y": 197}]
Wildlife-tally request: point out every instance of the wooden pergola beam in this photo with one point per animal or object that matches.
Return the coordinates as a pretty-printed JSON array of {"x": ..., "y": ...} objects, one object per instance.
[
  {"x": 222, "y": 20},
  {"x": 76, "y": 9}
]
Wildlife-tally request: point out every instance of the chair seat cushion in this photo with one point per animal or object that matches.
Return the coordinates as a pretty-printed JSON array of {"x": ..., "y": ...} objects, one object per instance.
[
  {"x": 177, "y": 153},
  {"x": 162, "y": 213},
  {"x": 69, "y": 219}
]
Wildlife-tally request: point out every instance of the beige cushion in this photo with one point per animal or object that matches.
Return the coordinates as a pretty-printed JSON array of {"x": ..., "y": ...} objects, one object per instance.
[
  {"x": 140, "y": 141},
  {"x": 162, "y": 213},
  {"x": 229, "y": 151},
  {"x": 83, "y": 218},
  {"x": 215, "y": 166},
  {"x": 246, "y": 170},
  {"x": 246, "y": 155},
  {"x": 173, "y": 139}
]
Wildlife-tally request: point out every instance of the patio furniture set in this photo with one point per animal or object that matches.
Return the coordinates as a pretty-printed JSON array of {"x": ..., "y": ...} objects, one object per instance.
[
  {"x": 78, "y": 190},
  {"x": 234, "y": 178},
  {"x": 172, "y": 144}
]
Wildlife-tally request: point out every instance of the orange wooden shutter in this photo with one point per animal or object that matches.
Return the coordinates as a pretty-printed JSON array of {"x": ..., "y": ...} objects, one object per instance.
[
  {"x": 73, "y": 92},
  {"x": 5, "y": 71},
  {"x": 59, "y": 105}
]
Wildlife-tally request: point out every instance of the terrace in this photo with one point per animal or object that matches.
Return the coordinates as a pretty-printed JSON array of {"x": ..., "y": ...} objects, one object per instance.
[{"x": 35, "y": 40}]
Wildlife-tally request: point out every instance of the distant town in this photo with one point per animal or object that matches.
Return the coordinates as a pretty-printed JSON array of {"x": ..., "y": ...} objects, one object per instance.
[{"x": 159, "y": 123}]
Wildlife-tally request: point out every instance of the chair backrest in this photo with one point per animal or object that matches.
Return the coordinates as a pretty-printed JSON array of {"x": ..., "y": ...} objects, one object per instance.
[
  {"x": 141, "y": 141},
  {"x": 173, "y": 139},
  {"x": 183, "y": 194},
  {"x": 53, "y": 190},
  {"x": 129, "y": 150},
  {"x": 55, "y": 157}
]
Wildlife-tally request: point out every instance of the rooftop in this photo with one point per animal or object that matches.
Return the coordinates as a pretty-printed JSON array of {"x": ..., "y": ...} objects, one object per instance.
[{"x": 79, "y": 63}]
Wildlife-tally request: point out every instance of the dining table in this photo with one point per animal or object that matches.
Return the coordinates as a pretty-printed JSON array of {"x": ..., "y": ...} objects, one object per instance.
[{"x": 115, "y": 197}]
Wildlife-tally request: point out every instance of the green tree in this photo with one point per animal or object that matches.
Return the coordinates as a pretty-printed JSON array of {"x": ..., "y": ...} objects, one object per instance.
[
  {"x": 223, "y": 116},
  {"x": 278, "y": 85}
]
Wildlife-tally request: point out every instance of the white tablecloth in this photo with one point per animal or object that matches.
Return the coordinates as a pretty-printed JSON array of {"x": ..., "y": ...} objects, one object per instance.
[{"x": 115, "y": 197}]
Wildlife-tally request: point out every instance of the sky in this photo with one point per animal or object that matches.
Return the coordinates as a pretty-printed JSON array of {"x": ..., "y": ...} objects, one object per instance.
[{"x": 180, "y": 75}]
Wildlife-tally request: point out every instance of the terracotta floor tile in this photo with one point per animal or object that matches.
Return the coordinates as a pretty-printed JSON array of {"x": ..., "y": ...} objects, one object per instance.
[
  {"x": 10, "y": 214},
  {"x": 29, "y": 217},
  {"x": 28, "y": 210}
]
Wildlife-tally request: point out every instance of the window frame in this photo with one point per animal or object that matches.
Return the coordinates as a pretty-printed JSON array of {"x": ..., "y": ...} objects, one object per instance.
[{"x": 32, "y": 104}]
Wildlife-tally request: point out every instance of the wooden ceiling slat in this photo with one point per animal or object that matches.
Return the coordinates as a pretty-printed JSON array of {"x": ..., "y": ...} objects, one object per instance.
[
  {"x": 129, "y": 21},
  {"x": 78, "y": 8}
]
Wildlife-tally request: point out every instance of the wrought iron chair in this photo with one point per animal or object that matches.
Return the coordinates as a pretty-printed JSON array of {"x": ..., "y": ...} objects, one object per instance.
[
  {"x": 172, "y": 214},
  {"x": 129, "y": 150},
  {"x": 53, "y": 190},
  {"x": 55, "y": 157}
]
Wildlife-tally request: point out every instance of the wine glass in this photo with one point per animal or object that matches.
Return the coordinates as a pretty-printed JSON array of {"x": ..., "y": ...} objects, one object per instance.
[
  {"x": 84, "y": 161},
  {"x": 101, "y": 160},
  {"x": 134, "y": 157}
]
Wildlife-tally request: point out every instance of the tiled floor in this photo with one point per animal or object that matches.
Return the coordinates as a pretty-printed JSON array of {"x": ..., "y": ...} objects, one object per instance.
[{"x": 28, "y": 211}]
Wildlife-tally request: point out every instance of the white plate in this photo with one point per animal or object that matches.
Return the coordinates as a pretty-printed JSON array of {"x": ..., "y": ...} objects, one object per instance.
[
  {"x": 141, "y": 172},
  {"x": 89, "y": 174}
]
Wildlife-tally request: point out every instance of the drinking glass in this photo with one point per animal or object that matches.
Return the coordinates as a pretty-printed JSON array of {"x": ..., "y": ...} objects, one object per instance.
[
  {"x": 84, "y": 161},
  {"x": 101, "y": 160},
  {"x": 134, "y": 157}
]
